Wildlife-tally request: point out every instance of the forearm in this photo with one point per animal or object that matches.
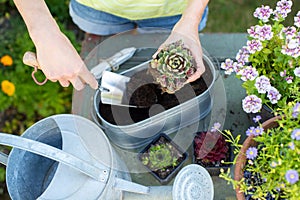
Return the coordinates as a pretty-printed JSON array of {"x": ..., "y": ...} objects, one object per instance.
[
  {"x": 37, "y": 18},
  {"x": 194, "y": 11}
]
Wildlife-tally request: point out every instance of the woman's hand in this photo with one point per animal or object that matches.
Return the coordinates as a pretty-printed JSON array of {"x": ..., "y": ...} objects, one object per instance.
[
  {"x": 187, "y": 31},
  {"x": 59, "y": 61}
]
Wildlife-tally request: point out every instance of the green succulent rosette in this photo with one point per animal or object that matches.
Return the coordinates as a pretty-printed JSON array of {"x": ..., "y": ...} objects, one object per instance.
[{"x": 171, "y": 68}]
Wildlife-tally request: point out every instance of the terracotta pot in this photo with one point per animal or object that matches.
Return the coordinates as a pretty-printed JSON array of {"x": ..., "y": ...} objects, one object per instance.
[{"x": 241, "y": 159}]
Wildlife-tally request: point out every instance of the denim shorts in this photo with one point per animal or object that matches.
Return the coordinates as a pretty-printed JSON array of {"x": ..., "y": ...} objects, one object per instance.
[{"x": 102, "y": 23}]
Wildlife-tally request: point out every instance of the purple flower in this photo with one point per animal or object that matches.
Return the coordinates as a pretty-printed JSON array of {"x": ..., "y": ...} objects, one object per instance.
[
  {"x": 291, "y": 47},
  {"x": 254, "y": 46},
  {"x": 257, "y": 118},
  {"x": 296, "y": 110},
  {"x": 297, "y": 71},
  {"x": 252, "y": 104},
  {"x": 229, "y": 66},
  {"x": 291, "y": 145},
  {"x": 258, "y": 131},
  {"x": 289, "y": 79},
  {"x": 243, "y": 55},
  {"x": 263, "y": 13},
  {"x": 262, "y": 84},
  {"x": 251, "y": 153},
  {"x": 255, "y": 131},
  {"x": 283, "y": 73},
  {"x": 282, "y": 9},
  {"x": 250, "y": 131},
  {"x": 292, "y": 176},
  {"x": 296, "y": 134},
  {"x": 273, "y": 95},
  {"x": 273, "y": 164},
  {"x": 297, "y": 19},
  {"x": 248, "y": 73},
  {"x": 215, "y": 127},
  {"x": 252, "y": 31},
  {"x": 265, "y": 32},
  {"x": 288, "y": 32}
]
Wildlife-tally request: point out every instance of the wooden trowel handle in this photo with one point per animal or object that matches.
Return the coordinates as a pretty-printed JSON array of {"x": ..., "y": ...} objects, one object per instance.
[{"x": 30, "y": 59}]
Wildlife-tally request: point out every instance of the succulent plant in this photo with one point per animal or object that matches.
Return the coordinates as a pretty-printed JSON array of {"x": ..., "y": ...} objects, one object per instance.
[
  {"x": 160, "y": 156},
  {"x": 173, "y": 65},
  {"x": 210, "y": 147}
]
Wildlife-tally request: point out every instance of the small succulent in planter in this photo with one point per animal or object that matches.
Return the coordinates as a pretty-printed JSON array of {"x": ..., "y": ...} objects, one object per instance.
[
  {"x": 211, "y": 151},
  {"x": 172, "y": 67},
  {"x": 162, "y": 158}
]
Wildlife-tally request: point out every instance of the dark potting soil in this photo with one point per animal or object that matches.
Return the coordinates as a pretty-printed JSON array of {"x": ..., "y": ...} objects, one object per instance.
[{"x": 141, "y": 91}]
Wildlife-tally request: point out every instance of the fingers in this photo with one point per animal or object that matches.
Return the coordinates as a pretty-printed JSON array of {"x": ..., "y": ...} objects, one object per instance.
[
  {"x": 87, "y": 77},
  {"x": 157, "y": 52},
  {"x": 200, "y": 70},
  {"x": 64, "y": 83},
  {"x": 78, "y": 80}
]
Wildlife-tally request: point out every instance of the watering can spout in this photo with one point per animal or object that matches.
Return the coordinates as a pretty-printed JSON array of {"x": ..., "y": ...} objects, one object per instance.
[{"x": 128, "y": 186}]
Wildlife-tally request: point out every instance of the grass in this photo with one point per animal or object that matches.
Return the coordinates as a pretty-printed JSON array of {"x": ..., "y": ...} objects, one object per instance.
[{"x": 228, "y": 16}]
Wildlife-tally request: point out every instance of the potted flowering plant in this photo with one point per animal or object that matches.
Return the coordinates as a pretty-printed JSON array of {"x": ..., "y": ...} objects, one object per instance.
[
  {"x": 267, "y": 164},
  {"x": 269, "y": 64}
]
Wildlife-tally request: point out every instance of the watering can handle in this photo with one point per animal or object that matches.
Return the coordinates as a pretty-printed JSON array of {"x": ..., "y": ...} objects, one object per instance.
[
  {"x": 3, "y": 158},
  {"x": 52, "y": 153}
]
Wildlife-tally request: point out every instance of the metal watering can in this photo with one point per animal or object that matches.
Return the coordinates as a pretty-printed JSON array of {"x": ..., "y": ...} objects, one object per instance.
[{"x": 65, "y": 157}]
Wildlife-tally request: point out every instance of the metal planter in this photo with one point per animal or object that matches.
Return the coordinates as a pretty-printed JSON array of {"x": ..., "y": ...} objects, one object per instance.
[{"x": 141, "y": 133}]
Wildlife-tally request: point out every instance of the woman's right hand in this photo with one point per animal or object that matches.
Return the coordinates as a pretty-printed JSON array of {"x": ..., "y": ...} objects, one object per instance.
[{"x": 59, "y": 61}]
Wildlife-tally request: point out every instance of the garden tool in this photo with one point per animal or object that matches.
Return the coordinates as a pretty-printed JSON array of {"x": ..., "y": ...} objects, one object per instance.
[{"x": 112, "y": 85}]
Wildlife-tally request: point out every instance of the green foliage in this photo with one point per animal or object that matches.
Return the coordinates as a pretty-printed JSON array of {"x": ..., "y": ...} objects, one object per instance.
[
  {"x": 278, "y": 151},
  {"x": 268, "y": 63},
  {"x": 30, "y": 100},
  {"x": 2, "y": 174},
  {"x": 236, "y": 15},
  {"x": 160, "y": 157}
]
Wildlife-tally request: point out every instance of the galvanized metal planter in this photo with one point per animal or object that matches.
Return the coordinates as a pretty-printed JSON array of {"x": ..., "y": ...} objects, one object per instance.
[{"x": 141, "y": 133}]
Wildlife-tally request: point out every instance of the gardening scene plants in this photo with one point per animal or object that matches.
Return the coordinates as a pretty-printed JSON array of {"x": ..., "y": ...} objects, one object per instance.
[{"x": 261, "y": 163}]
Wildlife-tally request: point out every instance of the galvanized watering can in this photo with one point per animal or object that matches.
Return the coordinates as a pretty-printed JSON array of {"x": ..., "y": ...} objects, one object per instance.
[{"x": 65, "y": 157}]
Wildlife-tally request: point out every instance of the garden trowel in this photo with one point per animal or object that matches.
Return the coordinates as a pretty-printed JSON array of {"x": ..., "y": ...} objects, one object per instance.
[{"x": 112, "y": 85}]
